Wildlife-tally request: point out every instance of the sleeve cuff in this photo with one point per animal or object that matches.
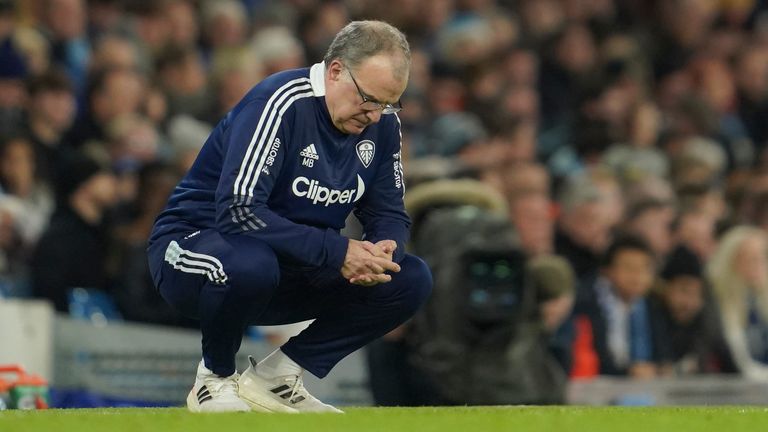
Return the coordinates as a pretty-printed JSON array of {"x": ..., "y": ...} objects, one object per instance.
[{"x": 335, "y": 249}]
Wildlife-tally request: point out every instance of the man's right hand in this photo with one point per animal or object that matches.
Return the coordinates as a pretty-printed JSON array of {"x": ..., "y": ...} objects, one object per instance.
[{"x": 366, "y": 263}]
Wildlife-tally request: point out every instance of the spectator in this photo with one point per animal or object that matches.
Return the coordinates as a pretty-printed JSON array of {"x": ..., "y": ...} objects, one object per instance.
[
  {"x": 531, "y": 214},
  {"x": 647, "y": 189},
  {"x": 542, "y": 19},
  {"x": 115, "y": 51},
  {"x": 277, "y": 49},
  {"x": 136, "y": 296},
  {"x": 686, "y": 332},
  {"x": 86, "y": 192},
  {"x": 617, "y": 310},
  {"x": 683, "y": 28},
  {"x": 751, "y": 74},
  {"x": 182, "y": 77},
  {"x": 738, "y": 271},
  {"x": 522, "y": 67},
  {"x": 512, "y": 144},
  {"x": 714, "y": 84},
  {"x": 105, "y": 16},
  {"x": 695, "y": 231},
  {"x": 467, "y": 42},
  {"x": 570, "y": 61},
  {"x": 50, "y": 115},
  {"x": 639, "y": 157},
  {"x": 186, "y": 136},
  {"x": 65, "y": 25},
  {"x": 13, "y": 71},
  {"x": 706, "y": 198},
  {"x": 25, "y": 206},
  {"x": 183, "y": 22},
  {"x": 234, "y": 72},
  {"x": 33, "y": 46},
  {"x": 700, "y": 161},
  {"x": 652, "y": 221},
  {"x": 225, "y": 24},
  {"x": 132, "y": 139},
  {"x": 525, "y": 177},
  {"x": 9, "y": 250},
  {"x": 610, "y": 191},
  {"x": 113, "y": 92},
  {"x": 318, "y": 23},
  {"x": 33, "y": 201},
  {"x": 583, "y": 230},
  {"x": 151, "y": 26}
]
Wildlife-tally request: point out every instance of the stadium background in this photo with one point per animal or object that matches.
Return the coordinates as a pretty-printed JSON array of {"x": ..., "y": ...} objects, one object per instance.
[{"x": 579, "y": 120}]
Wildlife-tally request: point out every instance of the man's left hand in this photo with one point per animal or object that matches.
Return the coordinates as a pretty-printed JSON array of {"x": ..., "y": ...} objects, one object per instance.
[{"x": 381, "y": 249}]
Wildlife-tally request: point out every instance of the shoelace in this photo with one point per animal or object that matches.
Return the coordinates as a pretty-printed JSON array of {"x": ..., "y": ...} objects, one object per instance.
[
  {"x": 221, "y": 386},
  {"x": 298, "y": 388}
]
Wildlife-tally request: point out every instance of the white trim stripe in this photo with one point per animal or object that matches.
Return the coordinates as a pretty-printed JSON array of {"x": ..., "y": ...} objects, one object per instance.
[
  {"x": 400, "y": 152},
  {"x": 196, "y": 263},
  {"x": 253, "y": 167},
  {"x": 244, "y": 173},
  {"x": 271, "y": 137},
  {"x": 243, "y": 216}
]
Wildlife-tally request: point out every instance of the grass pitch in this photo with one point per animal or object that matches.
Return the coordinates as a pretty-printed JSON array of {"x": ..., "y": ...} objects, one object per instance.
[{"x": 462, "y": 419}]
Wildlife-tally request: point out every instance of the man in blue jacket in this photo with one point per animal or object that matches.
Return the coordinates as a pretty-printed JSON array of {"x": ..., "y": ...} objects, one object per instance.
[{"x": 251, "y": 234}]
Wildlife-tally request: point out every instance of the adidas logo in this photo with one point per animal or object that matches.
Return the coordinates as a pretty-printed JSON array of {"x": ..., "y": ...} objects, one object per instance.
[
  {"x": 310, "y": 152},
  {"x": 310, "y": 156},
  {"x": 203, "y": 395},
  {"x": 284, "y": 391}
]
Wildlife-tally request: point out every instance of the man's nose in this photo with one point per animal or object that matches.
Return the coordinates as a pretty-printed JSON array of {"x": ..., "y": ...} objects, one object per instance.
[{"x": 374, "y": 116}]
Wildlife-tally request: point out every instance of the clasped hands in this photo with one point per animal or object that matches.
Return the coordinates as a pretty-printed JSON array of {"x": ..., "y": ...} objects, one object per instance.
[{"x": 366, "y": 262}]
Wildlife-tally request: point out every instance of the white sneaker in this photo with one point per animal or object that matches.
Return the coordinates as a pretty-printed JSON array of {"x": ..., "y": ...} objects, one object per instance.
[
  {"x": 281, "y": 394},
  {"x": 212, "y": 393}
]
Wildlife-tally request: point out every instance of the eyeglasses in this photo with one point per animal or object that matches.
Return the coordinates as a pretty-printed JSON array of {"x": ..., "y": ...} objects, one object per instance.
[{"x": 369, "y": 104}]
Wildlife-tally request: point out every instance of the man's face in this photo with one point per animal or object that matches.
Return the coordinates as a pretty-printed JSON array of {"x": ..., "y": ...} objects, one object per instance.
[
  {"x": 12, "y": 93},
  {"x": 653, "y": 226},
  {"x": 631, "y": 274},
  {"x": 17, "y": 165},
  {"x": 123, "y": 93},
  {"x": 533, "y": 220},
  {"x": 375, "y": 79},
  {"x": 684, "y": 297},
  {"x": 66, "y": 18},
  {"x": 589, "y": 225},
  {"x": 56, "y": 107},
  {"x": 102, "y": 189}
]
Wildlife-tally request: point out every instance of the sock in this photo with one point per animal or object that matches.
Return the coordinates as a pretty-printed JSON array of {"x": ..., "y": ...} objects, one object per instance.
[
  {"x": 277, "y": 364},
  {"x": 202, "y": 369}
]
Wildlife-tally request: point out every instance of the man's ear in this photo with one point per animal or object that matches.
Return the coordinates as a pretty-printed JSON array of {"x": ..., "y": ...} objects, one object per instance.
[{"x": 334, "y": 70}]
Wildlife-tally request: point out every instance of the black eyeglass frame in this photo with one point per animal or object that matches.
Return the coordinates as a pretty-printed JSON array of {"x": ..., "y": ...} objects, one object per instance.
[{"x": 369, "y": 104}]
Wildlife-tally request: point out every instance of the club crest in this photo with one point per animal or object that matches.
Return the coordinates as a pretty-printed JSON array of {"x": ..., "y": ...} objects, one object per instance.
[{"x": 365, "y": 151}]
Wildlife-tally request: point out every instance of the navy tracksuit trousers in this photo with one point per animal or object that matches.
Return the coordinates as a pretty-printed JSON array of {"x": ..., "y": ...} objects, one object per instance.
[{"x": 229, "y": 282}]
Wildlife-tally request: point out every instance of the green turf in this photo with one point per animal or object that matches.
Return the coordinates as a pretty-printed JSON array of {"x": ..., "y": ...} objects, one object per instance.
[{"x": 469, "y": 419}]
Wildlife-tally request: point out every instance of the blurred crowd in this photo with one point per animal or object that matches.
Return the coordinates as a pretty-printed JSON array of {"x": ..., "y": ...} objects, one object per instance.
[{"x": 628, "y": 137}]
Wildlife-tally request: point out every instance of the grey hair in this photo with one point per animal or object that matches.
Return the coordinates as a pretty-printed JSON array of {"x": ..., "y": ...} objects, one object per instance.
[
  {"x": 577, "y": 191},
  {"x": 360, "y": 40}
]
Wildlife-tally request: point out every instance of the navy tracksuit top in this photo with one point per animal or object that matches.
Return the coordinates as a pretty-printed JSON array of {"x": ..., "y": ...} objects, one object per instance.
[{"x": 277, "y": 169}]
